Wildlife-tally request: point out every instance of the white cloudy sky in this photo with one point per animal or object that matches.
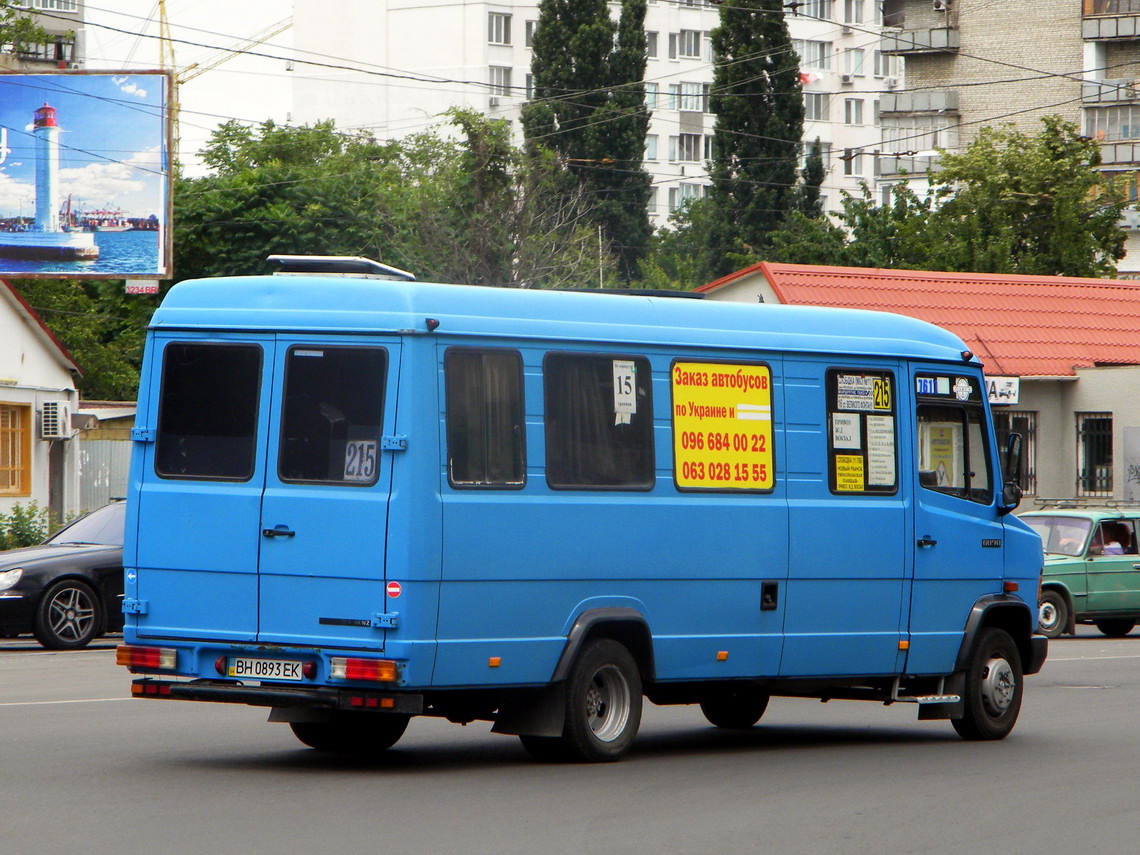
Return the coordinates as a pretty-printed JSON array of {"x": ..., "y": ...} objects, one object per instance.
[{"x": 243, "y": 87}]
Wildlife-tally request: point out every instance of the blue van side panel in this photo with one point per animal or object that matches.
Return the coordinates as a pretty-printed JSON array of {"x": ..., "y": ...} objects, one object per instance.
[
  {"x": 519, "y": 565},
  {"x": 848, "y": 569}
]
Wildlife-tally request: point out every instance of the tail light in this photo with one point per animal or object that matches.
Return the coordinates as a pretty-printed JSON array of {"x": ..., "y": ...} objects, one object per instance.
[
  {"x": 161, "y": 658},
  {"x": 374, "y": 670}
]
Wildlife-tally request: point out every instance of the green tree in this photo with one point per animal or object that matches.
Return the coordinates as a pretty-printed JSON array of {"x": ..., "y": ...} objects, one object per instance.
[
  {"x": 758, "y": 102},
  {"x": 589, "y": 109},
  {"x": 17, "y": 30},
  {"x": 1012, "y": 202}
]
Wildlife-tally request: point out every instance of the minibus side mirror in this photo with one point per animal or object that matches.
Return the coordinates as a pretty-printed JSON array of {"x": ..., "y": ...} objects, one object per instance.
[{"x": 1011, "y": 490}]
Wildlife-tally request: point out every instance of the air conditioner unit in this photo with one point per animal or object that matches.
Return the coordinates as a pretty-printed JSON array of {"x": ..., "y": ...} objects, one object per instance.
[
  {"x": 891, "y": 82},
  {"x": 941, "y": 5},
  {"x": 847, "y": 78},
  {"x": 845, "y": 30},
  {"x": 55, "y": 420},
  {"x": 494, "y": 101}
]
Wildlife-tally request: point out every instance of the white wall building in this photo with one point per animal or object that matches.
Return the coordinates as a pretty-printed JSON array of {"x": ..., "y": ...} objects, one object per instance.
[{"x": 419, "y": 59}]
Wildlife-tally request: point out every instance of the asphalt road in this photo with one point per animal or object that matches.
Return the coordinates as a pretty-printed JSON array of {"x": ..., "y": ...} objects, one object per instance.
[{"x": 84, "y": 769}]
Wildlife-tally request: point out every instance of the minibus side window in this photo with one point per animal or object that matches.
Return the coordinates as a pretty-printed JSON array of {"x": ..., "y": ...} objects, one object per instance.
[
  {"x": 862, "y": 446},
  {"x": 485, "y": 426},
  {"x": 952, "y": 454},
  {"x": 333, "y": 413},
  {"x": 207, "y": 423},
  {"x": 599, "y": 422}
]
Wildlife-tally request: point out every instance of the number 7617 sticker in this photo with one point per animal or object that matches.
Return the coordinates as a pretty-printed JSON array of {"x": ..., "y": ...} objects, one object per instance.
[{"x": 360, "y": 460}]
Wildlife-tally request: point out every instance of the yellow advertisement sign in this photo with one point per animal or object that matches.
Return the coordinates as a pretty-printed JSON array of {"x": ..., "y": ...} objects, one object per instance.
[
  {"x": 849, "y": 476},
  {"x": 722, "y": 426}
]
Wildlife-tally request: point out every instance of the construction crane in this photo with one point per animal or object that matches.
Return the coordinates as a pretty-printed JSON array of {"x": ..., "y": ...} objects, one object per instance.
[{"x": 194, "y": 69}]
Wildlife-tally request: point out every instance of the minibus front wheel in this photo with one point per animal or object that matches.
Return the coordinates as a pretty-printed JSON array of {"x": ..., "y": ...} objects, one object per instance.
[
  {"x": 994, "y": 687},
  {"x": 603, "y": 708}
]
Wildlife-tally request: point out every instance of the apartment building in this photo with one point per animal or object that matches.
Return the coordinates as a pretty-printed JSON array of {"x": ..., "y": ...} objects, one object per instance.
[
  {"x": 972, "y": 63},
  {"x": 64, "y": 47},
  {"x": 419, "y": 59}
]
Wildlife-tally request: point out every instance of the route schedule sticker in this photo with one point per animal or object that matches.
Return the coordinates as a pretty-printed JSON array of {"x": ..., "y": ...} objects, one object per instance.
[
  {"x": 722, "y": 426},
  {"x": 861, "y": 420}
]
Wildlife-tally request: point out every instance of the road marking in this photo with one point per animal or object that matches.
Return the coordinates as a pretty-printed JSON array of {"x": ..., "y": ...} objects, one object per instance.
[
  {"x": 1089, "y": 658},
  {"x": 71, "y": 701}
]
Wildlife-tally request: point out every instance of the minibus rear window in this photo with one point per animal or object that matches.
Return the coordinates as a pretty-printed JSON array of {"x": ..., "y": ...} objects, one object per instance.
[
  {"x": 334, "y": 410},
  {"x": 599, "y": 422},
  {"x": 485, "y": 429},
  {"x": 207, "y": 423}
]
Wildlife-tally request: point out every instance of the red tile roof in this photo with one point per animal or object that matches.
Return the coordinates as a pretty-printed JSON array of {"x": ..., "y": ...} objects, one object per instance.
[{"x": 1017, "y": 325}]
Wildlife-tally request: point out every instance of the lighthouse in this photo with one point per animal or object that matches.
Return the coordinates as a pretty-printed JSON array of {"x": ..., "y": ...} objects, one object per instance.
[
  {"x": 47, "y": 241},
  {"x": 46, "y": 131}
]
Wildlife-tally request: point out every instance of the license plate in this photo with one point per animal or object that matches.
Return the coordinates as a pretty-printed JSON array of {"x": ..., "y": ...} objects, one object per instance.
[{"x": 264, "y": 669}]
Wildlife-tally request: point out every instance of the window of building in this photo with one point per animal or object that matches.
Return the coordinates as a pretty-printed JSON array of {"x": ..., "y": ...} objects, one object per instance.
[
  {"x": 1023, "y": 423},
  {"x": 672, "y": 46},
  {"x": 813, "y": 54},
  {"x": 853, "y": 111},
  {"x": 528, "y": 32},
  {"x": 886, "y": 65},
  {"x": 875, "y": 114},
  {"x": 207, "y": 418},
  {"x": 919, "y": 133},
  {"x": 814, "y": 9},
  {"x": 1094, "y": 454},
  {"x": 15, "y": 450},
  {"x": 688, "y": 147},
  {"x": 685, "y": 192},
  {"x": 498, "y": 28},
  {"x": 599, "y": 421},
  {"x": 652, "y": 95},
  {"x": 651, "y": 146},
  {"x": 853, "y": 61},
  {"x": 689, "y": 44},
  {"x": 1110, "y": 124},
  {"x": 652, "y": 201},
  {"x": 529, "y": 86},
  {"x": 60, "y": 49},
  {"x": 852, "y": 161},
  {"x": 49, "y": 5},
  {"x": 816, "y": 106},
  {"x": 651, "y": 45},
  {"x": 500, "y": 80},
  {"x": 693, "y": 97},
  {"x": 486, "y": 430},
  {"x": 674, "y": 96},
  {"x": 709, "y": 153},
  {"x": 853, "y": 11},
  {"x": 824, "y": 154}
]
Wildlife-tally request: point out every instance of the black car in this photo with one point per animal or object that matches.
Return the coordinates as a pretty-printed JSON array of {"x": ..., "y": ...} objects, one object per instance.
[{"x": 69, "y": 589}]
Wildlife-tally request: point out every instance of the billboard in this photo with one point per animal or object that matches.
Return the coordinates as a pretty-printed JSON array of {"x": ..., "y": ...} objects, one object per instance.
[{"x": 85, "y": 181}]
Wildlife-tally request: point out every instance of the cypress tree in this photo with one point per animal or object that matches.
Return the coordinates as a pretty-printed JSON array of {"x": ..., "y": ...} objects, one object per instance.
[
  {"x": 589, "y": 108},
  {"x": 758, "y": 102}
]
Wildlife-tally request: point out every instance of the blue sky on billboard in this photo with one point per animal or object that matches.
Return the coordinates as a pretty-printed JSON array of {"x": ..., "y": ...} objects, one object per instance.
[{"x": 112, "y": 142}]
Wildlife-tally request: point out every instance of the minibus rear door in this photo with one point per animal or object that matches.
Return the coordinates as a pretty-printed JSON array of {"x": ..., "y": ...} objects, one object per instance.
[{"x": 325, "y": 509}]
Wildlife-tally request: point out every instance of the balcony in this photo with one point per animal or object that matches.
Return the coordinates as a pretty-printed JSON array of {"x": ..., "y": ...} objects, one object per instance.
[
  {"x": 1110, "y": 91},
  {"x": 929, "y": 40},
  {"x": 1123, "y": 153},
  {"x": 929, "y": 101},
  {"x": 1111, "y": 20}
]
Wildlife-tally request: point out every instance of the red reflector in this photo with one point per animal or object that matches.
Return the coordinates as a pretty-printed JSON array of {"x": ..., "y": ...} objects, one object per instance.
[
  {"x": 356, "y": 701},
  {"x": 1009, "y": 587},
  {"x": 309, "y": 670}
]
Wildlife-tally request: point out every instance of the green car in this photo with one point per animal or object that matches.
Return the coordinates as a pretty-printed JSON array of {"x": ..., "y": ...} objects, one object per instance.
[{"x": 1092, "y": 569}]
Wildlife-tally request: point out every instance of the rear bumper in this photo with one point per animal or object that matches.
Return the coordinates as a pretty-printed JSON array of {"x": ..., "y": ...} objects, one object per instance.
[
  {"x": 1038, "y": 651},
  {"x": 322, "y": 698}
]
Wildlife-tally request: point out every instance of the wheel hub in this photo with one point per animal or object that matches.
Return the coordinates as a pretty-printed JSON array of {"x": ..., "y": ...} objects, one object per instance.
[
  {"x": 998, "y": 686},
  {"x": 607, "y": 703},
  {"x": 1047, "y": 616}
]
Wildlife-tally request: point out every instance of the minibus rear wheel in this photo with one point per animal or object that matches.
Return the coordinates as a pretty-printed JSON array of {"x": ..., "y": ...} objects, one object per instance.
[
  {"x": 603, "y": 708},
  {"x": 363, "y": 734},
  {"x": 736, "y": 708},
  {"x": 994, "y": 686}
]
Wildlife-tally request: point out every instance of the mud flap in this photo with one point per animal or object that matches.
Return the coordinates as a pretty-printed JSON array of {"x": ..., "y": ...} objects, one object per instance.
[
  {"x": 955, "y": 685},
  {"x": 534, "y": 712}
]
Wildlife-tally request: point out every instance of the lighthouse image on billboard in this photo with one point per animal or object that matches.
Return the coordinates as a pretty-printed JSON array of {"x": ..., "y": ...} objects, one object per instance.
[{"x": 47, "y": 238}]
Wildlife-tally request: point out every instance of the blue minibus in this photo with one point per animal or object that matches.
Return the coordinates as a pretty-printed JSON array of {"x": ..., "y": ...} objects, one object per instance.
[{"x": 356, "y": 498}]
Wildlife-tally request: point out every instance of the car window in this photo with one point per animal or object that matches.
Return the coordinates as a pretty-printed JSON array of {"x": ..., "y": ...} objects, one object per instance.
[
  {"x": 103, "y": 526},
  {"x": 1061, "y": 535}
]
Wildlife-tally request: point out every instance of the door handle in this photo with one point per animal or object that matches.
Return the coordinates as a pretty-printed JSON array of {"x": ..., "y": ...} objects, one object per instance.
[
  {"x": 280, "y": 531},
  {"x": 927, "y": 541}
]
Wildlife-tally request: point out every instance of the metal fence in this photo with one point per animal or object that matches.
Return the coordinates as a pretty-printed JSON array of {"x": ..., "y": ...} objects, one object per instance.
[{"x": 104, "y": 465}]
